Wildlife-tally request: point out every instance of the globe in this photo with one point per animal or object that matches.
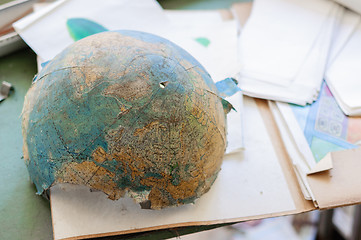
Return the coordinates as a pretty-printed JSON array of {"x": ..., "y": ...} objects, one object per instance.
[{"x": 126, "y": 113}]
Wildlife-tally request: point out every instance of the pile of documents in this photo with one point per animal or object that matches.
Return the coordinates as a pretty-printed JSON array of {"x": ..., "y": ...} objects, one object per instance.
[
  {"x": 312, "y": 132},
  {"x": 284, "y": 48},
  {"x": 304, "y": 54},
  {"x": 344, "y": 73},
  {"x": 307, "y": 53},
  {"x": 289, "y": 46}
]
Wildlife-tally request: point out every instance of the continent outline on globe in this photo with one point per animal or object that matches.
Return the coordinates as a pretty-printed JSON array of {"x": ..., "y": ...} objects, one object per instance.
[{"x": 125, "y": 112}]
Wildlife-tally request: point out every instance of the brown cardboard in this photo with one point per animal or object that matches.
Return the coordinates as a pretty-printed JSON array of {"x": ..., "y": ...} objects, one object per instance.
[
  {"x": 251, "y": 185},
  {"x": 339, "y": 186},
  {"x": 242, "y": 11},
  {"x": 323, "y": 165},
  {"x": 302, "y": 205}
]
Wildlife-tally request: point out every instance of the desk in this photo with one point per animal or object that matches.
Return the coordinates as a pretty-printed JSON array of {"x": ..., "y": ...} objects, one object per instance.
[{"x": 23, "y": 214}]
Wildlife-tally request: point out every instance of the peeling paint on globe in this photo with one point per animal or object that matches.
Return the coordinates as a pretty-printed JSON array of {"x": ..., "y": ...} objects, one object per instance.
[{"x": 125, "y": 112}]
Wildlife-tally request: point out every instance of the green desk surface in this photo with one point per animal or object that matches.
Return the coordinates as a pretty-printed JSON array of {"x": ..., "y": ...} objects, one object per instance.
[{"x": 23, "y": 214}]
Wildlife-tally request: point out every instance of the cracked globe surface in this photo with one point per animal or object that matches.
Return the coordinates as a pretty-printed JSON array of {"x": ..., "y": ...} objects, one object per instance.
[{"x": 125, "y": 112}]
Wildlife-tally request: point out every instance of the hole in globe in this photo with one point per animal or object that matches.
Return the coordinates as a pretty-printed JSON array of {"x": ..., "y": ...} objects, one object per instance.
[{"x": 163, "y": 84}]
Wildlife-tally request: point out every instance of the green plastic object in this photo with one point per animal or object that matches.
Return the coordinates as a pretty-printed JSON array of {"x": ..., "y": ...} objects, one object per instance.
[{"x": 79, "y": 28}]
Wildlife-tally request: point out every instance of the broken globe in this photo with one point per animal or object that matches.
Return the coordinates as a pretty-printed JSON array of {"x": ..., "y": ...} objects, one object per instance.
[{"x": 125, "y": 112}]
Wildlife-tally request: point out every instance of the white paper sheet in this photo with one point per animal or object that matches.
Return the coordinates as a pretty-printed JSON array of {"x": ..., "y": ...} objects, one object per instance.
[
  {"x": 345, "y": 29},
  {"x": 235, "y": 128},
  {"x": 284, "y": 49},
  {"x": 343, "y": 75},
  {"x": 220, "y": 57},
  {"x": 355, "y": 5},
  {"x": 191, "y": 18},
  {"x": 46, "y": 33},
  {"x": 311, "y": 73},
  {"x": 278, "y": 37},
  {"x": 249, "y": 184}
]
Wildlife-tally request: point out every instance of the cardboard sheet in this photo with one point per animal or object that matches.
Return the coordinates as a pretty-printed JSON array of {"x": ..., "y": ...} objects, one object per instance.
[
  {"x": 339, "y": 186},
  {"x": 302, "y": 205},
  {"x": 250, "y": 184}
]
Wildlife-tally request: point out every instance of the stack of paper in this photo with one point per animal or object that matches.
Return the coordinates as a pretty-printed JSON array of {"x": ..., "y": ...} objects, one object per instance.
[
  {"x": 344, "y": 72},
  {"x": 284, "y": 48},
  {"x": 311, "y": 132},
  {"x": 355, "y": 5},
  {"x": 344, "y": 30}
]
